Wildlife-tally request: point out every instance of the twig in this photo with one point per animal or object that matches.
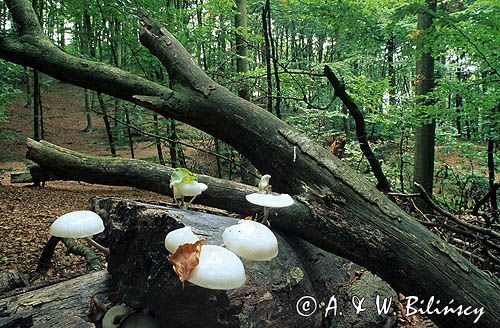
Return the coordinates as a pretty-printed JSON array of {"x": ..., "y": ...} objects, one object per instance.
[
  {"x": 340, "y": 91},
  {"x": 452, "y": 217},
  {"x": 484, "y": 199}
]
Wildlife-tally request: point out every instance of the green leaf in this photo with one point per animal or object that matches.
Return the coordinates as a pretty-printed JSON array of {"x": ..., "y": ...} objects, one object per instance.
[{"x": 181, "y": 175}]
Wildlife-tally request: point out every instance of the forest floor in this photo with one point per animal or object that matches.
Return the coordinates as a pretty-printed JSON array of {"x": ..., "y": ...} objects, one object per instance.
[{"x": 26, "y": 212}]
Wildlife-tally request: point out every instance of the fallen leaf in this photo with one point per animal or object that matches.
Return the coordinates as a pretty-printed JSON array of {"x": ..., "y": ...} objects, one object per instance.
[{"x": 185, "y": 259}]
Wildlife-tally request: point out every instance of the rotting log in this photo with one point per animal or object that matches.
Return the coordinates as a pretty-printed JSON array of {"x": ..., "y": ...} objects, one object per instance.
[
  {"x": 136, "y": 231},
  {"x": 347, "y": 215},
  {"x": 62, "y": 300}
]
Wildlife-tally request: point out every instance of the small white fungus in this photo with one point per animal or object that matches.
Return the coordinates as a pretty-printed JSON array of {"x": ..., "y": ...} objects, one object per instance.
[
  {"x": 270, "y": 200},
  {"x": 219, "y": 268},
  {"x": 178, "y": 237},
  {"x": 251, "y": 240},
  {"x": 190, "y": 189},
  {"x": 79, "y": 224}
]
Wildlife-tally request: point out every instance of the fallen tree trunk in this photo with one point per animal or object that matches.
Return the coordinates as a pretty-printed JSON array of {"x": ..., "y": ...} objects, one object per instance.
[
  {"x": 62, "y": 301},
  {"x": 135, "y": 233},
  {"x": 347, "y": 215}
]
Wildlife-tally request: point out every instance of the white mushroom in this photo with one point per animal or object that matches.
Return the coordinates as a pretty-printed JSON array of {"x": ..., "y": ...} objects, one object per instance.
[
  {"x": 270, "y": 200},
  {"x": 218, "y": 268},
  {"x": 140, "y": 320},
  {"x": 191, "y": 188},
  {"x": 267, "y": 199},
  {"x": 251, "y": 240},
  {"x": 115, "y": 316},
  {"x": 184, "y": 184},
  {"x": 178, "y": 237},
  {"x": 79, "y": 224}
]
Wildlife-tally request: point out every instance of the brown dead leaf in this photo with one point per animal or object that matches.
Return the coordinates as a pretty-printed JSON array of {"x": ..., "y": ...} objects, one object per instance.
[{"x": 185, "y": 259}]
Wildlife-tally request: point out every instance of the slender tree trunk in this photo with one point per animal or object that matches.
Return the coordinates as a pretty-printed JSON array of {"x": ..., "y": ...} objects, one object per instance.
[
  {"x": 37, "y": 107},
  {"x": 157, "y": 140},
  {"x": 425, "y": 133},
  {"x": 172, "y": 146},
  {"x": 266, "y": 54},
  {"x": 37, "y": 94},
  {"x": 117, "y": 59},
  {"x": 88, "y": 47},
  {"x": 88, "y": 110},
  {"x": 240, "y": 22},
  {"x": 241, "y": 46},
  {"x": 391, "y": 71},
  {"x": 29, "y": 92},
  {"x": 104, "y": 110},
  {"x": 274, "y": 57},
  {"x": 129, "y": 134}
]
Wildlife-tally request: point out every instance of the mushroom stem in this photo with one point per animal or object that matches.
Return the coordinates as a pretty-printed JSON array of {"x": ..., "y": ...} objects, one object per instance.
[
  {"x": 265, "y": 221},
  {"x": 97, "y": 245},
  {"x": 189, "y": 203}
]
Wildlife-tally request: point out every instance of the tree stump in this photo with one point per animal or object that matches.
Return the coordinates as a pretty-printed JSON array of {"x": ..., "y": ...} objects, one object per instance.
[{"x": 135, "y": 234}]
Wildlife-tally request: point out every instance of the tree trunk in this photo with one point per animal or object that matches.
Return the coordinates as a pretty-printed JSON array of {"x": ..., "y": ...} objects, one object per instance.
[
  {"x": 37, "y": 107},
  {"x": 240, "y": 23},
  {"x": 157, "y": 140},
  {"x": 105, "y": 117},
  {"x": 60, "y": 301},
  {"x": 423, "y": 172},
  {"x": 391, "y": 47},
  {"x": 347, "y": 216},
  {"x": 271, "y": 291},
  {"x": 266, "y": 54},
  {"x": 88, "y": 110}
]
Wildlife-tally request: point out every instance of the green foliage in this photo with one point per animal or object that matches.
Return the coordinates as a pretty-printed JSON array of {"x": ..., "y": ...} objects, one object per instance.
[
  {"x": 181, "y": 175},
  {"x": 10, "y": 76}
]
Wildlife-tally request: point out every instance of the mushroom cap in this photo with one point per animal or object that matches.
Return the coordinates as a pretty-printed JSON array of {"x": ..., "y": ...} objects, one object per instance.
[
  {"x": 270, "y": 200},
  {"x": 178, "y": 237},
  {"x": 251, "y": 240},
  {"x": 140, "y": 320},
  {"x": 190, "y": 188},
  {"x": 113, "y": 313},
  {"x": 78, "y": 224},
  {"x": 219, "y": 268}
]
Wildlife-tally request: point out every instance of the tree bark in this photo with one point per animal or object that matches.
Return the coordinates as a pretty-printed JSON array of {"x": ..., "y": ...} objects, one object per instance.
[
  {"x": 423, "y": 168},
  {"x": 136, "y": 231},
  {"x": 60, "y": 301},
  {"x": 347, "y": 216},
  {"x": 266, "y": 54}
]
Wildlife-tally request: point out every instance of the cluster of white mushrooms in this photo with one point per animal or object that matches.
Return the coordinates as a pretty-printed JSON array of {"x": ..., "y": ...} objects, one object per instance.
[{"x": 219, "y": 266}]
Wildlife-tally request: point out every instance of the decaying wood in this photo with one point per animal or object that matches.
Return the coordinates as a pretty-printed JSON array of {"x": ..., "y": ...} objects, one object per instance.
[
  {"x": 66, "y": 322},
  {"x": 71, "y": 165},
  {"x": 136, "y": 232},
  {"x": 11, "y": 279},
  {"x": 347, "y": 215},
  {"x": 63, "y": 300}
]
